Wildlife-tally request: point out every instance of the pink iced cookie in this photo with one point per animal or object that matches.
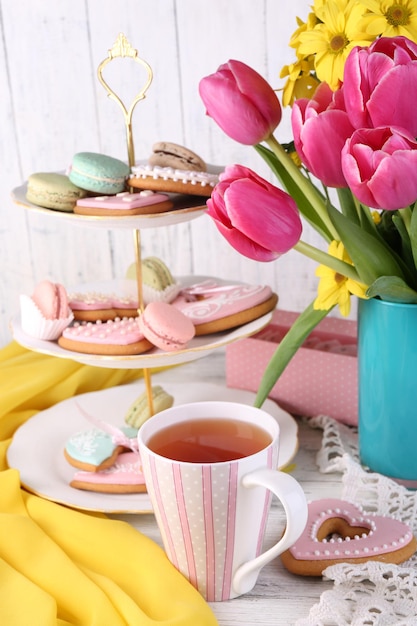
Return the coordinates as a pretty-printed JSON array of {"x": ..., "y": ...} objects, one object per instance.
[
  {"x": 94, "y": 306},
  {"x": 124, "y": 476},
  {"x": 214, "y": 307},
  {"x": 340, "y": 532},
  {"x": 125, "y": 203},
  {"x": 51, "y": 299},
  {"x": 165, "y": 326},
  {"x": 119, "y": 337}
]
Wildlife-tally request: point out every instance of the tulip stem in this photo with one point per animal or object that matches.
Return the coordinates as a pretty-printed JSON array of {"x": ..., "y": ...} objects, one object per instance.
[
  {"x": 303, "y": 183},
  {"x": 339, "y": 266}
]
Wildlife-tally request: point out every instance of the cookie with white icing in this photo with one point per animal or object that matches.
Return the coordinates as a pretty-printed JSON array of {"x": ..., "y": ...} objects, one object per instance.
[{"x": 214, "y": 307}]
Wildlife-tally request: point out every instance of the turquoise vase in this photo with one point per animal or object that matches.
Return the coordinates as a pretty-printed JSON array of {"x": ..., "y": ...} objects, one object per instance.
[{"x": 387, "y": 387}]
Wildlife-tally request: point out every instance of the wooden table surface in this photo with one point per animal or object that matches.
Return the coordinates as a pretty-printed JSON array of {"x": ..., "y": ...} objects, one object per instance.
[{"x": 279, "y": 598}]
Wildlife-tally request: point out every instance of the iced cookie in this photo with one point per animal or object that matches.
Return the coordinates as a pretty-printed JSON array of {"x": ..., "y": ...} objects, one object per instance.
[
  {"x": 91, "y": 306},
  {"x": 120, "y": 337},
  {"x": 124, "y": 476},
  {"x": 169, "y": 179},
  {"x": 142, "y": 203},
  {"x": 340, "y": 532},
  {"x": 214, "y": 307},
  {"x": 94, "y": 449}
]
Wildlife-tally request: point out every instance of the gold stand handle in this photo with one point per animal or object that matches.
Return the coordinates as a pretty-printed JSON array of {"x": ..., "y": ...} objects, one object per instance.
[{"x": 122, "y": 48}]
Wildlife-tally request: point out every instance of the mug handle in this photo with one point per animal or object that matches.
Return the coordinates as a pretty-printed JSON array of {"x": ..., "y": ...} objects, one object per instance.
[{"x": 292, "y": 497}]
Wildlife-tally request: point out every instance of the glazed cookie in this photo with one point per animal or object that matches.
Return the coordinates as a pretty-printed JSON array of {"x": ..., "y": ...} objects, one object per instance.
[
  {"x": 98, "y": 173},
  {"x": 341, "y": 532},
  {"x": 124, "y": 476},
  {"x": 139, "y": 410},
  {"x": 142, "y": 203},
  {"x": 165, "y": 326},
  {"x": 92, "y": 306},
  {"x": 168, "y": 154},
  {"x": 169, "y": 179},
  {"x": 94, "y": 449},
  {"x": 214, "y": 307},
  {"x": 120, "y": 337},
  {"x": 53, "y": 191}
]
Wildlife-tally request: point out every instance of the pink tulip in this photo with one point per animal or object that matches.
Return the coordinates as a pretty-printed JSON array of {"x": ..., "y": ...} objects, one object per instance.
[
  {"x": 380, "y": 84},
  {"x": 259, "y": 220},
  {"x": 242, "y": 103},
  {"x": 320, "y": 128},
  {"x": 380, "y": 166}
]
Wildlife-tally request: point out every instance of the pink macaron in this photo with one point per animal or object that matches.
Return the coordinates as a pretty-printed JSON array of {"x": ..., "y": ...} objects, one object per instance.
[
  {"x": 165, "y": 326},
  {"x": 51, "y": 299}
]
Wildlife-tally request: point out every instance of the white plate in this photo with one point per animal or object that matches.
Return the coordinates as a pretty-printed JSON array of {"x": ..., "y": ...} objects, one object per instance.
[
  {"x": 196, "y": 348},
  {"x": 185, "y": 212},
  {"x": 37, "y": 446},
  {"x": 187, "y": 208}
]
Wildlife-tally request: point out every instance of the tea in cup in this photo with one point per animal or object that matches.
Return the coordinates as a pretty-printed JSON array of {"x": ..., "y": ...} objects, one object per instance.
[{"x": 211, "y": 471}]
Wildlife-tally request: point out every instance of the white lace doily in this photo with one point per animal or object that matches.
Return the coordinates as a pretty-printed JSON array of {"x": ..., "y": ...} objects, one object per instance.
[{"x": 372, "y": 593}]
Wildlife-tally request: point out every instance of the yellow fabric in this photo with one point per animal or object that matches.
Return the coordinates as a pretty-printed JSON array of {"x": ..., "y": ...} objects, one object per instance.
[{"x": 59, "y": 566}]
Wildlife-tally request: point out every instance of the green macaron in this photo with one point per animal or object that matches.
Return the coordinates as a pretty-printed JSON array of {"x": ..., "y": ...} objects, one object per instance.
[
  {"x": 155, "y": 273},
  {"x": 53, "y": 191},
  {"x": 140, "y": 411},
  {"x": 99, "y": 173}
]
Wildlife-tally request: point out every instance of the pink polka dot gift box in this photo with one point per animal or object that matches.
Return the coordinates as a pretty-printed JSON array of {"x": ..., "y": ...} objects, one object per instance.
[{"x": 321, "y": 379}]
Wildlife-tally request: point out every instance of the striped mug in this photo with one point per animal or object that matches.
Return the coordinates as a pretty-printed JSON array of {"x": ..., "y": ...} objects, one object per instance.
[{"x": 211, "y": 471}]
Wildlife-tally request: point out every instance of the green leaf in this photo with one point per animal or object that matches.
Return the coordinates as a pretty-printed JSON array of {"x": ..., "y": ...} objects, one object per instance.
[
  {"x": 371, "y": 257},
  {"x": 392, "y": 289},
  {"x": 348, "y": 204},
  {"x": 413, "y": 234},
  {"x": 294, "y": 191},
  {"x": 289, "y": 345}
]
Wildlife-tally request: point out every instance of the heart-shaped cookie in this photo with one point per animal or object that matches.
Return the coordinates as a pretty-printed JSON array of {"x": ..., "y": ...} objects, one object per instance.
[{"x": 340, "y": 532}]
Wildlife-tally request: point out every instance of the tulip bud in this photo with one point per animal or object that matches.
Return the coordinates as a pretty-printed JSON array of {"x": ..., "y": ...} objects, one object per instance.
[
  {"x": 241, "y": 102},
  {"x": 259, "y": 220}
]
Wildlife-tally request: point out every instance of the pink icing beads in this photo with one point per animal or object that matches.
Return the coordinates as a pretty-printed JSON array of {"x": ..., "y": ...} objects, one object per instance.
[{"x": 118, "y": 332}]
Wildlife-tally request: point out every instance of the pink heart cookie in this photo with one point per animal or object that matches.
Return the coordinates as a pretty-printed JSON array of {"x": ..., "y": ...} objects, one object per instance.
[{"x": 340, "y": 532}]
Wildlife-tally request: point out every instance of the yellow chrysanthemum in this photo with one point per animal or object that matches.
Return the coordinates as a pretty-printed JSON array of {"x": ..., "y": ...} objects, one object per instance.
[
  {"x": 334, "y": 288},
  {"x": 311, "y": 22},
  {"x": 301, "y": 82},
  {"x": 333, "y": 38},
  {"x": 390, "y": 18}
]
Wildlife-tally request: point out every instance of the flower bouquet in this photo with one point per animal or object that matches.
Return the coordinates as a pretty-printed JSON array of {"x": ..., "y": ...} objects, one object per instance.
[{"x": 352, "y": 92}]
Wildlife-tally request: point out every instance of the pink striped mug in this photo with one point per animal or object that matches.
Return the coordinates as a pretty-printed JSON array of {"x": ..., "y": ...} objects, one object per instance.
[{"x": 212, "y": 514}]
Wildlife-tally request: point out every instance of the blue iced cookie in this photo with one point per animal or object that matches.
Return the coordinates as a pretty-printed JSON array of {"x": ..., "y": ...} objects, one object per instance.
[
  {"x": 98, "y": 173},
  {"x": 94, "y": 450}
]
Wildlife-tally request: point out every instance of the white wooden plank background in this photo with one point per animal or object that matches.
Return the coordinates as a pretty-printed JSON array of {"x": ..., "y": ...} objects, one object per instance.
[{"x": 52, "y": 106}]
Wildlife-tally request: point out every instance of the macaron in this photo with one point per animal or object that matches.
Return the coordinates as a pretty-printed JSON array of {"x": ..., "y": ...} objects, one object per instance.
[
  {"x": 165, "y": 326},
  {"x": 99, "y": 173},
  {"x": 51, "y": 299},
  {"x": 140, "y": 411},
  {"x": 53, "y": 191},
  {"x": 157, "y": 280},
  {"x": 168, "y": 154}
]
